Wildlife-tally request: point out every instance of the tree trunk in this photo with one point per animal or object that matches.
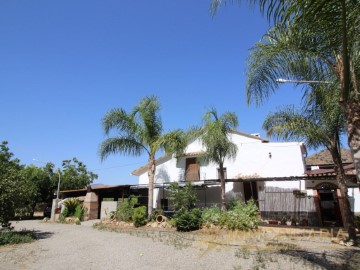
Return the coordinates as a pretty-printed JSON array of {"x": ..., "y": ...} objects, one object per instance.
[
  {"x": 347, "y": 216},
  {"x": 151, "y": 175},
  {"x": 352, "y": 113},
  {"x": 349, "y": 101},
  {"x": 222, "y": 181}
]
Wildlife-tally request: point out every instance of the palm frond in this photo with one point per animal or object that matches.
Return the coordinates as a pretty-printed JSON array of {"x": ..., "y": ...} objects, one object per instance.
[
  {"x": 214, "y": 136},
  {"x": 286, "y": 52},
  {"x": 173, "y": 142},
  {"x": 119, "y": 120},
  {"x": 121, "y": 145},
  {"x": 147, "y": 116}
]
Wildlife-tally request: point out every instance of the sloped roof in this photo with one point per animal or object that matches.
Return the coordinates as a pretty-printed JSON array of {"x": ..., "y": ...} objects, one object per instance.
[
  {"x": 96, "y": 187},
  {"x": 252, "y": 136},
  {"x": 324, "y": 158}
]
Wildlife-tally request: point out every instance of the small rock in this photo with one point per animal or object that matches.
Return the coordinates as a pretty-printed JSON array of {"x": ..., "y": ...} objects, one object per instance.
[
  {"x": 335, "y": 240},
  {"x": 349, "y": 243}
]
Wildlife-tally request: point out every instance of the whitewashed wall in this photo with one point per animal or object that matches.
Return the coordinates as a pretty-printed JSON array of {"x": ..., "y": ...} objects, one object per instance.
[{"x": 253, "y": 159}]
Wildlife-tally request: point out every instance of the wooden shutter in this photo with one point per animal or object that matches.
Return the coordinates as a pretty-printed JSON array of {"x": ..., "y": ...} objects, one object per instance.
[{"x": 192, "y": 170}]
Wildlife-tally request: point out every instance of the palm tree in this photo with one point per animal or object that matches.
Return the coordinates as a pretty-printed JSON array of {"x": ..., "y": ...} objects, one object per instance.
[
  {"x": 320, "y": 124},
  {"x": 296, "y": 53},
  {"x": 214, "y": 136},
  {"x": 140, "y": 131},
  {"x": 331, "y": 32}
]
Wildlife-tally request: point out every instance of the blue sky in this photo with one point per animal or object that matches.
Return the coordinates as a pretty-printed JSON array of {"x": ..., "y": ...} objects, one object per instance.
[{"x": 64, "y": 64}]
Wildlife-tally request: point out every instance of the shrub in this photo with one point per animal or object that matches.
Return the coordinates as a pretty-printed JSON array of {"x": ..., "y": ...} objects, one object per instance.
[
  {"x": 182, "y": 198},
  {"x": 63, "y": 214},
  {"x": 77, "y": 222},
  {"x": 79, "y": 212},
  {"x": 125, "y": 210},
  {"x": 139, "y": 216},
  {"x": 212, "y": 215},
  {"x": 71, "y": 205},
  {"x": 240, "y": 216},
  {"x": 188, "y": 220},
  {"x": 243, "y": 216}
]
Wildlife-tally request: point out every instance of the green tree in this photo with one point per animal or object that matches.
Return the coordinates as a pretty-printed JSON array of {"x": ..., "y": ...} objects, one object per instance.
[
  {"x": 74, "y": 175},
  {"x": 140, "y": 131},
  {"x": 331, "y": 41},
  {"x": 214, "y": 136},
  {"x": 320, "y": 124},
  {"x": 42, "y": 182},
  {"x": 39, "y": 186},
  {"x": 11, "y": 185}
]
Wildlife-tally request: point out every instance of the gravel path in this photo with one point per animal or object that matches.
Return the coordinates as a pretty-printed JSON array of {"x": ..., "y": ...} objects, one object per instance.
[{"x": 62, "y": 246}]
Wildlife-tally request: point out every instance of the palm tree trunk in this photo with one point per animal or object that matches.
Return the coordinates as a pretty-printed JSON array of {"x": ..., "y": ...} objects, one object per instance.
[
  {"x": 352, "y": 113},
  {"x": 151, "y": 175},
  {"x": 350, "y": 103},
  {"x": 347, "y": 217},
  {"x": 222, "y": 181}
]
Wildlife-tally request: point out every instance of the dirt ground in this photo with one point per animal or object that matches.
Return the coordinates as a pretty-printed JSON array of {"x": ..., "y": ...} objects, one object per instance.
[{"x": 64, "y": 246}]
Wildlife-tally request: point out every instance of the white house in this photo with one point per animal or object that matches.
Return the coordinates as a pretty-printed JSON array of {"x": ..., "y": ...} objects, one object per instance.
[{"x": 270, "y": 172}]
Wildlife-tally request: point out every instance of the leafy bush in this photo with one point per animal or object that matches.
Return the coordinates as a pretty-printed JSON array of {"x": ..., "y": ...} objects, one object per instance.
[
  {"x": 243, "y": 216},
  {"x": 79, "y": 212},
  {"x": 10, "y": 238},
  {"x": 212, "y": 215},
  {"x": 64, "y": 214},
  {"x": 139, "y": 216},
  {"x": 71, "y": 205},
  {"x": 188, "y": 220},
  {"x": 72, "y": 208},
  {"x": 125, "y": 210},
  {"x": 182, "y": 198}
]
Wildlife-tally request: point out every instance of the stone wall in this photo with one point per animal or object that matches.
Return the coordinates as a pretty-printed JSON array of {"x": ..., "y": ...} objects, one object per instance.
[{"x": 91, "y": 203}]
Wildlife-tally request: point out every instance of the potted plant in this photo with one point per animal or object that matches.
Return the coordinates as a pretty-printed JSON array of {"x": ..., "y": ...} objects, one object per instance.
[{"x": 283, "y": 220}]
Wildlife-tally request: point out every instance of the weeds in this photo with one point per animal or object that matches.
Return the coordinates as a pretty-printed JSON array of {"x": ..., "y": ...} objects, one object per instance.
[{"x": 13, "y": 237}]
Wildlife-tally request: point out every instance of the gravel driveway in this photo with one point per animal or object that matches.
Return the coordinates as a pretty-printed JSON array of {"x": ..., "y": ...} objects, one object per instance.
[{"x": 62, "y": 246}]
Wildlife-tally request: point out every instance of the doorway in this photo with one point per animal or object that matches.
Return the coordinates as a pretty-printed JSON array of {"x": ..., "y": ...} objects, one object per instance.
[
  {"x": 329, "y": 205},
  {"x": 250, "y": 191}
]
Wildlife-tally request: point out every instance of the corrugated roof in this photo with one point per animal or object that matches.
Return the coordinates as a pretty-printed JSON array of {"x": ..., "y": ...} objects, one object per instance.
[{"x": 96, "y": 187}]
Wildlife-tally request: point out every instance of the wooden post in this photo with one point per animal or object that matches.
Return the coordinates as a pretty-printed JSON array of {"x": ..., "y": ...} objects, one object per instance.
[{"x": 317, "y": 206}]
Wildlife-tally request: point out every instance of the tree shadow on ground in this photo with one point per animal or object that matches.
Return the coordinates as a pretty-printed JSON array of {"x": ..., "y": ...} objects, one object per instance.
[
  {"x": 339, "y": 259},
  {"x": 39, "y": 235}
]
